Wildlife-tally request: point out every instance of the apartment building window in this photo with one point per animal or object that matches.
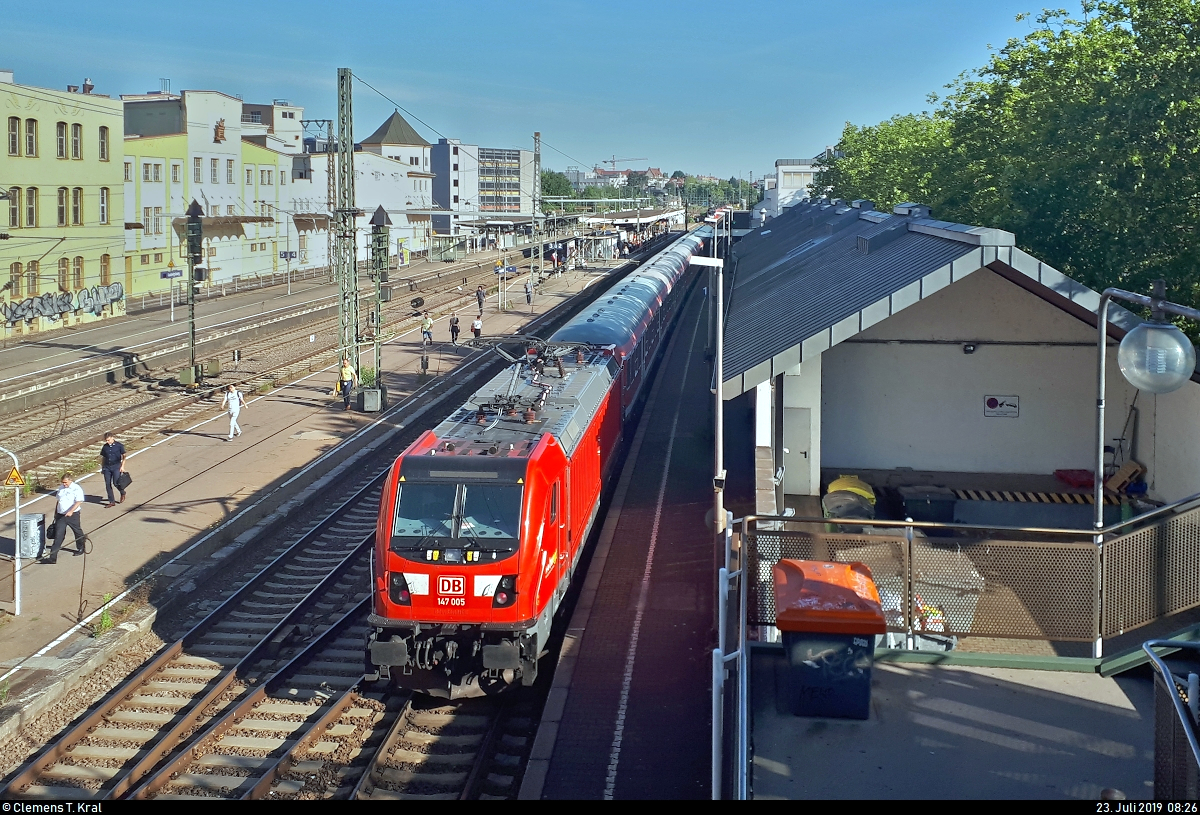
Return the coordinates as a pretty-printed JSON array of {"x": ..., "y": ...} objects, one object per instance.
[
  {"x": 31, "y": 137},
  {"x": 229, "y": 171},
  {"x": 62, "y": 206},
  {"x": 456, "y": 182},
  {"x": 176, "y": 171},
  {"x": 197, "y": 169},
  {"x": 215, "y": 170},
  {"x": 158, "y": 219},
  {"x": 412, "y": 160},
  {"x": 31, "y": 278},
  {"x": 145, "y": 259},
  {"x": 60, "y": 138},
  {"x": 145, "y": 172},
  {"x": 254, "y": 247},
  {"x": 156, "y": 173},
  {"x": 158, "y": 257},
  {"x": 14, "y": 206},
  {"x": 265, "y": 177},
  {"x": 63, "y": 267},
  {"x": 147, "y": 223},
  {"x": 77, "y": 272},
  {"x": 129, "y": 171},
  {"x": 456, "y": 199},
  {"x": 456, "y": 153},
  {"x": 249, "y": 175},
  {"x": 31, "y": 201},
  {"x": 104, "y": 205},
  {"x": 229, "y": 209},
  {"x": 303, "y": 242},
  {"x": 77, "y": 206},
  {"x": 103, "y": 143},
  {"x": 456, "y": 168},
  {"x": 76, "y": 141},
  {"x": 14, "y": 136},
  {"x": 14, "y": 280},
  {"x": 105, "y": 270},
  {"x": 212, "y": 251}
]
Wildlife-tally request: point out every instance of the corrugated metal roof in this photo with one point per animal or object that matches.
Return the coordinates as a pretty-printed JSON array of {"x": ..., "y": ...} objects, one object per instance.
[{"x": 824, "y": 271}]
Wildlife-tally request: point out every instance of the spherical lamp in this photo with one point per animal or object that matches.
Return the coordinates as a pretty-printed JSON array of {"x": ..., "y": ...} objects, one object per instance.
[{"x": 1156, "y": 357}]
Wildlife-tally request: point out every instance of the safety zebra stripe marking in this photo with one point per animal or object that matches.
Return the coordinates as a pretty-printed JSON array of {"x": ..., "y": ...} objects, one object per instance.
[
  {"x": 1031, "y": 497},
  {"x": 610, "y": 783}
]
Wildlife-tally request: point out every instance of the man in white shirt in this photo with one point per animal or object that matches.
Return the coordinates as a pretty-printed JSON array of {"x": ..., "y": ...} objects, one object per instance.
[{"x": 66, "y": 513}]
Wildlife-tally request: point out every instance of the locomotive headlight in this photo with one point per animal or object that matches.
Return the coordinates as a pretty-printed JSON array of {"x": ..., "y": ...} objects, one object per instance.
[
  {"x": 398, "y": 589},
  {"x": 506, "y": 592}
]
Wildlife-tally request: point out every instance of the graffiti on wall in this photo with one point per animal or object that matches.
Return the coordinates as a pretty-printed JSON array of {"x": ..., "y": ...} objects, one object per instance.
[{"x": 53, "y": 305}]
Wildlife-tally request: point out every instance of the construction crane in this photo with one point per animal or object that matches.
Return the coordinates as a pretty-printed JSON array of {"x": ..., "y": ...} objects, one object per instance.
[{"x": 614, "y": 161}]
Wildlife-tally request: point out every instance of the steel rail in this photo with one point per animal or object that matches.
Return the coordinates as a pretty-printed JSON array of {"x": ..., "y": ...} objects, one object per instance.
[
  {"x": 169, "y": 742},
  {"x": 274, "y": 771},
  {"x": 385, "y": 749},
  {"x": 127, "y": 689},
  {"x": 184, "y": 748}
]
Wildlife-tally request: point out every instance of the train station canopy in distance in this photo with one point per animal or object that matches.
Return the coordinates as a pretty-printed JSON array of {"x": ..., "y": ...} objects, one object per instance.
[{"x": 824, "y": 271}]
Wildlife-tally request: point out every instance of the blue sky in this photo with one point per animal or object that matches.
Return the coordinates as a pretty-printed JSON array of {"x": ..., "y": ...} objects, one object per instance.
[{"x": 716, "y": 88}]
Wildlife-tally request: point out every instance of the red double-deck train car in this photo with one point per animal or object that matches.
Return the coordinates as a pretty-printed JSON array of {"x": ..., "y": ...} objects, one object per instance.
[{"x": 483, "y": 518}]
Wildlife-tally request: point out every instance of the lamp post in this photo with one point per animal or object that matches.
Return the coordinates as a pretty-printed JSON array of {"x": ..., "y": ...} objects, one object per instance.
[{"x": 1155, "y": 356}]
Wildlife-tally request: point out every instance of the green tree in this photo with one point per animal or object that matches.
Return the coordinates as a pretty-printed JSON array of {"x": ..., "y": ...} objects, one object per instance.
[
  {"x": 679, "y": 174},
  {"x": 1083, "y": 138},
  {"x": 556, "y": 184}
]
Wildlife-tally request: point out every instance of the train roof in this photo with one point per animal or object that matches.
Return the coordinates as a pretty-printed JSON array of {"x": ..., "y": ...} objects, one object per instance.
[
  {"x": 495, "y": 420},
  {"x": 619, "y": 316}
]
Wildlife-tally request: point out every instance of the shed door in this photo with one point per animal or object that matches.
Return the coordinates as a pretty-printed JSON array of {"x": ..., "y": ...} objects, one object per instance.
[{"x": 797, "y": 436}]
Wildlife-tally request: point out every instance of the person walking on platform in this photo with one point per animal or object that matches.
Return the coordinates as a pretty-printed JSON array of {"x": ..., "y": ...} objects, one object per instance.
[
  {"x": 480, "y": 294},
  {"x": 233, "y": 403},
  {"x": 454, "y": 329},
  {"x": 528, "y": 292},
  {"x": 66, "y": 513},
  {"x": 346, "y": 378},
  {"x": 112, "y": 464},
  {"x": 477, "y": 327},
  {"x": 427, "y": 329}
]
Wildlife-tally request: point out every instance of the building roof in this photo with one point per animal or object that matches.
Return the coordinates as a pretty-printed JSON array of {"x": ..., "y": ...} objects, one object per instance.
[
  {"x": 825, "y": 270},
  {"x": 395, "y": 131}
]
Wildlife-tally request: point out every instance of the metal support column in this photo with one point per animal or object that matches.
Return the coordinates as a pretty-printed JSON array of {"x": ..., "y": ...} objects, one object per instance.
[
  {"x": 195, "y": 250},
  {"x": 537, "y": 195},
  {"x": 346, "y": 268},
  {"x": 379, "y": 273}
]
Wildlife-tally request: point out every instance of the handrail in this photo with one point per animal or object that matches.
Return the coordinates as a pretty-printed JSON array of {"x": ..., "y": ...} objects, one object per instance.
[
  {"x": 1182, "y": 505},
  {"x": 1187, "y": 717},
  {"x": 740, "y": 657}
]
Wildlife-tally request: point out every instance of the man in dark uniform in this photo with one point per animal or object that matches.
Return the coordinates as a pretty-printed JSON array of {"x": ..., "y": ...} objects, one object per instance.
[{"x": 112, "y": 464}]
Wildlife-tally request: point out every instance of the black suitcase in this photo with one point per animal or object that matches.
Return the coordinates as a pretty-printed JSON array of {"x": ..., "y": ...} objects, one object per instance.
[{"x": 123, "y": 481}]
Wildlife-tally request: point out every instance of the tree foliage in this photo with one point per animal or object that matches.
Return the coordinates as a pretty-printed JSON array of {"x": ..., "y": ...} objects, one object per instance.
[
  {"x": 556, "y": 184},
  {"x": 1082, "y": 138}
]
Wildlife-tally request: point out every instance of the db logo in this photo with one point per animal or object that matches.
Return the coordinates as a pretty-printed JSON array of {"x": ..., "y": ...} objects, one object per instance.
[{"x": 453, "y": 584}]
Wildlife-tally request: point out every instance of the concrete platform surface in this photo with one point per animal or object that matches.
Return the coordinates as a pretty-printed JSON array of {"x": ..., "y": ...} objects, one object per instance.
[
  {"x": 192, "y": 480},
  {"x": 955, "y": 732}
]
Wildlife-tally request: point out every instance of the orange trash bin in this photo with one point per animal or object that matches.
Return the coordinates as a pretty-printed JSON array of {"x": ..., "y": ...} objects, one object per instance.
[{"x": 829, "y": 614}]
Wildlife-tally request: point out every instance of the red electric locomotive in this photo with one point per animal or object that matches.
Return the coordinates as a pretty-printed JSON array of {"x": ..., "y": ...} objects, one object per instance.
[{"x": 483, "y": 518}]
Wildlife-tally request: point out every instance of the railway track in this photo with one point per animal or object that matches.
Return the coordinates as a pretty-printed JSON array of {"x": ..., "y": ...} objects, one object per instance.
[
  {"x": 286, "y": 603},
  {"x": 60, "y": 436},
  {"x": 264, "y": 697}
]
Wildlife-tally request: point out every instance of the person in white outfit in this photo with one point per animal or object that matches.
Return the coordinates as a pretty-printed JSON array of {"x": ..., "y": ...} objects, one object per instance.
[{"x": 233, "y": 403}]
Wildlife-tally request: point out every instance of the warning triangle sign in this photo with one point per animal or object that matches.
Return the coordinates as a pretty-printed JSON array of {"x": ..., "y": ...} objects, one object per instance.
[{"x": 14, "y": 479}]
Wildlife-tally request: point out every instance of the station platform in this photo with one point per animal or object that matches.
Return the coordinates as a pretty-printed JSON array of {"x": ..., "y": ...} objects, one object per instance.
[
  {"x": 628, "y": 714},
  {"x": 192, "y": 482}
]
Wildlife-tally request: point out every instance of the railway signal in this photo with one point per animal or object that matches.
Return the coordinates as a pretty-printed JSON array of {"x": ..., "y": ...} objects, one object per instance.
[{"x": 195, "y": 252}]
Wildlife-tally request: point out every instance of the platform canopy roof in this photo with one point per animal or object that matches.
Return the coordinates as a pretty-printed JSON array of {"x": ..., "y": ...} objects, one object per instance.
[{"x": 825, "y": 270}]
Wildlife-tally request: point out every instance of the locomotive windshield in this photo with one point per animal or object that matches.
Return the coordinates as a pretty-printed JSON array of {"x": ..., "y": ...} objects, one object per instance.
[{"x": 483, "y": 516}]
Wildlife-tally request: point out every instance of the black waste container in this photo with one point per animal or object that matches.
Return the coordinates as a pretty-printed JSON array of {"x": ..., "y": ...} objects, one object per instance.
[{"x": 829, "y": 614}]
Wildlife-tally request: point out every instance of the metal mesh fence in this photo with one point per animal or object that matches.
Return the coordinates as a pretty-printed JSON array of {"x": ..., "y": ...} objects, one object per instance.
[
  {"x": 1151, "y": 573},
  {"x": 979, "y": 587}
]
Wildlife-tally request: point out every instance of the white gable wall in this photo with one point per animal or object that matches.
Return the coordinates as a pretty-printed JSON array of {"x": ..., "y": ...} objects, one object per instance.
[{"x": 910, "y": 397}]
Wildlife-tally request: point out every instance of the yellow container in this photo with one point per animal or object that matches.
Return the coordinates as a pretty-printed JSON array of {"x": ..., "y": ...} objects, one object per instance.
[{"x": 854, "y": 484}]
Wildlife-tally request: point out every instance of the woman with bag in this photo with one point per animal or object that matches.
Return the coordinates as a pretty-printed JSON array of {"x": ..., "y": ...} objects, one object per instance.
[{"x": 346, "y": 378}]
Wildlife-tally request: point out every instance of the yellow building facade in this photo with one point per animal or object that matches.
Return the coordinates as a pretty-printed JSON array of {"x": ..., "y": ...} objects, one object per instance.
[{"x": 60, "y": 172}]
